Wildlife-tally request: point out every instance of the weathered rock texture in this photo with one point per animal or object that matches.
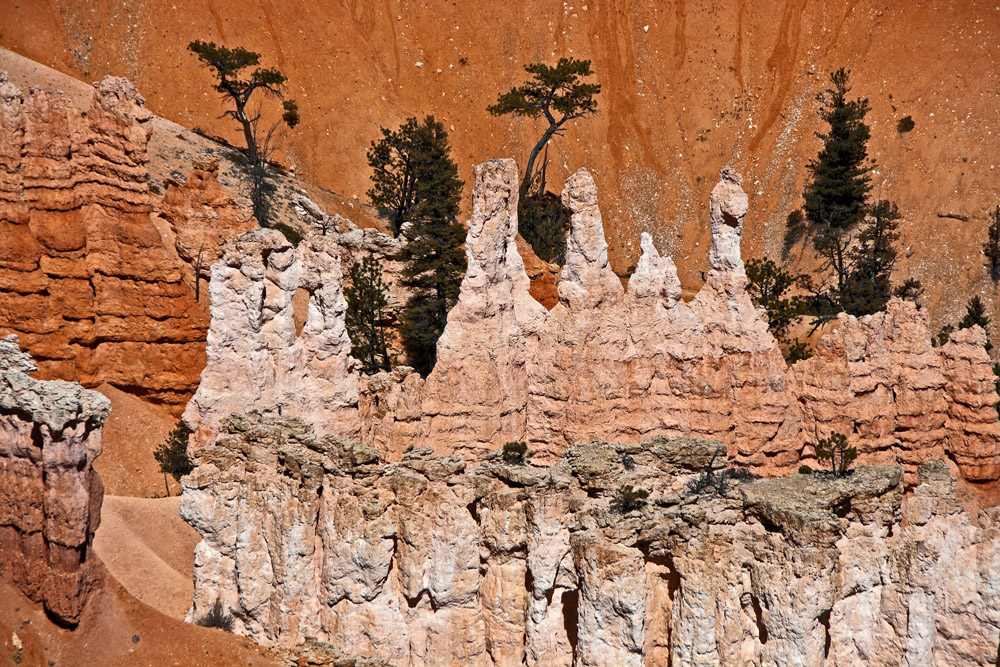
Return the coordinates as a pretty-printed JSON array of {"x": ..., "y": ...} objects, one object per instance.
[
  {"x": 606, "y": 363},
  {"x": 50, "y": 496},
  {"x": 430, "y": 562},
  {"x": 97, "y": 283}
]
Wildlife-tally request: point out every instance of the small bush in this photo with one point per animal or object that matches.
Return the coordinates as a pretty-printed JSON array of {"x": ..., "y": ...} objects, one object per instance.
[
  {"x": 905, "y": 124},
  {"x": 172, "y": 455},
  {"x": 710, "y": 482},
  {"x": 628, "y": 462},
  {"x": 805, "y": 470},
  {"x": 797, "y": 351},
  {"x": 217, "y": 617},
  {"x": 628, "y": 499},
  {"x": 516, "y": 453},
  {"x": 835, "y": 450},
  {"x": 293, "y": 235}
]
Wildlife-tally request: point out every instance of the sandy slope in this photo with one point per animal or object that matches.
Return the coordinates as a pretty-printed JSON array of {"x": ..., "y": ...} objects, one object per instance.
[{"x": 149, "y": 549}]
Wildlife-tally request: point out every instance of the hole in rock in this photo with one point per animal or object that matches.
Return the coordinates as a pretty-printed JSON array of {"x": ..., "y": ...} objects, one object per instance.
[
  {"x": 730, "y": 220},
  {"x": 759, "y": 617}
]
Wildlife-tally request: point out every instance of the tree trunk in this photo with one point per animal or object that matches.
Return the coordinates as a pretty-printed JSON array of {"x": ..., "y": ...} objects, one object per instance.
[
  {"x": 248, "y": 135},
  {"x": 529, "y": 169}
]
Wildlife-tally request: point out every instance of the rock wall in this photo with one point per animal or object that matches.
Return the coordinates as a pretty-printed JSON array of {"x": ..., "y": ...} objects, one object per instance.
[
  {"x": 606, "y": 363},
  {"x": 50, "y": 495},
  {"x": 96, "y": 277},
  {"x": 429, "y": 561}
]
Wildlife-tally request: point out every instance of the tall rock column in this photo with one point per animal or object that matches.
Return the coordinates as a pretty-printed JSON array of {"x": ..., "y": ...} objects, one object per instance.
[
  {"x": 50, "y": 495},
  {"x": 579, "y": 383},
  {"x": 477, "y": 394}
]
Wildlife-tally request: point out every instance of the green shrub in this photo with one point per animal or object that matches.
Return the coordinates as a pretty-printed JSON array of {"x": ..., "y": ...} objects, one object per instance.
[
  {"x": 172, "y": 455},
  {"x": 805, "y": 470},
  {"x": 905, "y": 124},
  {"x": 516, "y": 453},
  {"x": 835, "y": 450},
  {"x": 628, "y": 499}
]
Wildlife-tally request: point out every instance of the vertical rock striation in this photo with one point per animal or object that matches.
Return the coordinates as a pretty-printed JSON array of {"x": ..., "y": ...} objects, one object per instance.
[
  {"x": 606, "y": 363},
  {"x": 50, "y": 495},
  {"x": 431, "y": 562}
]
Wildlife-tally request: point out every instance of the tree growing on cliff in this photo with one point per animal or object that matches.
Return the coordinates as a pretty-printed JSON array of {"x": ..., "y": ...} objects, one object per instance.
[
  {"x": 367, "y": 297},
  {"x": 767, "y": 286},
  {"x": 433, "y": 256},
  {"x": 835, "y": 449},
  {"x": 408, "y": 164},
  {"x": 558, "y": 94},
  {"x": 172, "y": 455},
  {"x": 243, "y": 92}
]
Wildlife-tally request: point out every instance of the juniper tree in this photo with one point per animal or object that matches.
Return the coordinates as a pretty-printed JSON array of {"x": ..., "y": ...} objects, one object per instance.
[
  {"x": 367, "y": 297},
  {"x": 244, "y": 92},
  {"x": 558, "y": 95}
]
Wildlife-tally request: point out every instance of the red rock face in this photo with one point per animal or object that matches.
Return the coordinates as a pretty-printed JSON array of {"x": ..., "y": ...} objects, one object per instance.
[
  {"x": 50, "y": 496},
  {"x": 95, "y": 281},
  {"x": 606, "y": 363}
]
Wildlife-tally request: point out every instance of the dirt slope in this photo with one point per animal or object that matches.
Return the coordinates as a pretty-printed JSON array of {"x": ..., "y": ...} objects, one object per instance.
[
  {"x": 149, "y": 549},
  {"x": 688, "y": 87}
]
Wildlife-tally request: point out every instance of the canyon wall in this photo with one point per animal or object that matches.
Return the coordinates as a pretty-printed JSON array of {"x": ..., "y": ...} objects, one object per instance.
[
  {"x": 50, "y": 495},
  {"x": 606, "y": 363},
  {"x": 96, "y": 273},
  {"x": 429, "y": 561}
]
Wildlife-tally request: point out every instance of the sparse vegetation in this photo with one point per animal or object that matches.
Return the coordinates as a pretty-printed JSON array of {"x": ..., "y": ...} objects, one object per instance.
[
  {"x": 628, "y": 499},
  {"x": 835, "y": 449},
  {"x": 293, "y": 235},
  {"x": 172, "y": 455},
  {"x": 905, "y": 124},
  {"x": 558, "y": 94},
  {"x": 243, "y": 92},
  {"x": 805, "y": 470},
  {"x": 515, "y": 453},
  {"x": 217, "y": 617},
  {"x": 434, "y": 257},
  {"x": 367, "y": 296},
  {"x": 716, "y": 481}
]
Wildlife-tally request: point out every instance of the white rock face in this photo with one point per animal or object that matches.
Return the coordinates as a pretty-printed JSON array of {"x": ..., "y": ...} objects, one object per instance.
[
  {"x": 606, "y": 363},
  {"x": 429, "y": 562}
]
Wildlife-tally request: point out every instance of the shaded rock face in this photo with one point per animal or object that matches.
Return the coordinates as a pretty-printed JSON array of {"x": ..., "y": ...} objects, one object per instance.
[
  {"x": 95, "y": 282},
  {"x": 428, "y": 561},
  {"x": 50, "y": 495},
  {"x": 606, "y": 363}
]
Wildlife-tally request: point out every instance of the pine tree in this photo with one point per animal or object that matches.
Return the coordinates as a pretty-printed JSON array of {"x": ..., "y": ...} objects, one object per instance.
[
  {"x": 836, "y": 197},
  {"x": 367, "y": 297},
  {"x": 992, "y": 246},
  {"x": 869, "y": 282},
  {"x": 433, "y": 254},
  {"x": 975, "y": 314},
  {"x": 767, "y": 284},
  {"x": 240, "y": 90},
  {"x": 172, "y": 455}
]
